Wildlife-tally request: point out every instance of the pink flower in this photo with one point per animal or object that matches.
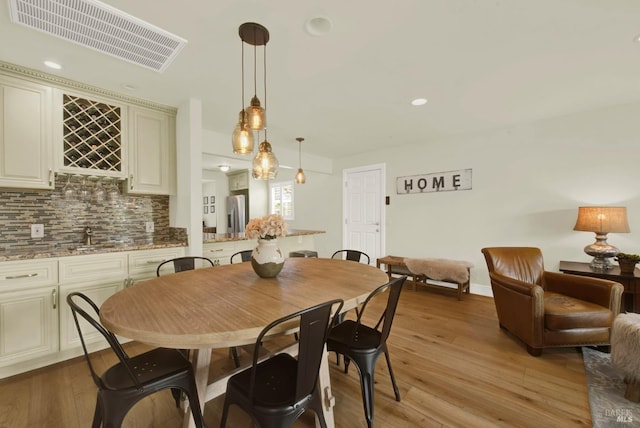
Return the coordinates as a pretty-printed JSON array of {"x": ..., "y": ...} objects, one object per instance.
[{"x": 267, "y": 227}]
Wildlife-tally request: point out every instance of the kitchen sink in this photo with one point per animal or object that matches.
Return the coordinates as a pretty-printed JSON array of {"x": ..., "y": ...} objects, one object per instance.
[{"x": 94, "y": 247}]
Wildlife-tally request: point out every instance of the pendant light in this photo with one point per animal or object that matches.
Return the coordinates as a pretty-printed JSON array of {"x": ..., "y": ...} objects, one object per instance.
[
  {"x": 300, "y": 178},
  {"x": 256, "y": 35},
  {"x": 242, "y": 138},
  {"x": 265, "y": 164}
]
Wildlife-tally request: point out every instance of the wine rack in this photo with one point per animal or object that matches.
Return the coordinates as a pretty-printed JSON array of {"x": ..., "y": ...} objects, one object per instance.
[{"x": 92, "y": 134}]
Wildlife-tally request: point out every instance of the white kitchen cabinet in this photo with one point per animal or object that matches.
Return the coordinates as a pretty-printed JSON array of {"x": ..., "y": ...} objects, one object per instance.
[
  {"x": 238, "y": 180},
  {"x": 26, "y": 159},
  {"x": 219, "y": 252},
  {"x": 28, "y": 324},
  {"x": 28, "y": 310},
  {"x": 36, "y": 325},
  {"x": 152, "y": 152},
  {"x": 96, "y": 275},
  {"x": 89, "y": 134},
  {"x": 69, "y": 338},
  {"x": 143, "y": 264}
]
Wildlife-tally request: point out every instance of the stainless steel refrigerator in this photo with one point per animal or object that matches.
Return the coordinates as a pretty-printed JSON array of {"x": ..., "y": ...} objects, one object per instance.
[{"x": 236, "y": 216}]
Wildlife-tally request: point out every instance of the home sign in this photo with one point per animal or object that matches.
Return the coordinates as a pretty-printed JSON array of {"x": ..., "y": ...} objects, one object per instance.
[{"x": 434, "y": 182}]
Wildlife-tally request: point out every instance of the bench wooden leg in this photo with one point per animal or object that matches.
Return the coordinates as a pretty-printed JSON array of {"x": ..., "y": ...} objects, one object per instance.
[{"x": 633, "y": 391}]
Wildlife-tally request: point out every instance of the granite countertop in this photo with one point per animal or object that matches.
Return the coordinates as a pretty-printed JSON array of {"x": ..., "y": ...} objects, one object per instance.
[
  {"x": 225, "y": 237},
  {"x": 76, "y": 250}
]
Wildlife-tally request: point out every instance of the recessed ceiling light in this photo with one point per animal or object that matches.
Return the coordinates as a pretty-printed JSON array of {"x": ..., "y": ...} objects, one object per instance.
[
  {"x": 637, "y": 38},
  {"x": 419, "y": 102},
  {"x": 224, "y": 168},
  {"x": 53, "y": 65},
  {"x": 318, "y": 26}
]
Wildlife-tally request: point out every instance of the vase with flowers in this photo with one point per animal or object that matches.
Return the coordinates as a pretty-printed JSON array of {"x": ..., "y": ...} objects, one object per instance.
[{"x": 267, "y": 259}]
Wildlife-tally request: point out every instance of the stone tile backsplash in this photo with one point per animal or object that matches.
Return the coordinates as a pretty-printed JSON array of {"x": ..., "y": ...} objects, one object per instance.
[{"x": 120, "y": 221}]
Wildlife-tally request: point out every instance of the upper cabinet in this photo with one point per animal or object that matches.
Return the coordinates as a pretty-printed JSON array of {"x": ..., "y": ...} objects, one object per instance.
[
  {"x": 51, "y": 125},
  {"x": 151, "y": 152},
  {"x": 238, "y": 180},
  {"x": 89, "y": 135},
  {"x": 26, "y": 160}
]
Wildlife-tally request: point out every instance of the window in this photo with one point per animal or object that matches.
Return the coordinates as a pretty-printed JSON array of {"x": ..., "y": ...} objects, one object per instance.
[{"x": 281, "y": 199}]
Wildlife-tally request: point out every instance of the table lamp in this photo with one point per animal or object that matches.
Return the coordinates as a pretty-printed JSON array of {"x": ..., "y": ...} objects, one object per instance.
[{"x": 602, "y": 220}]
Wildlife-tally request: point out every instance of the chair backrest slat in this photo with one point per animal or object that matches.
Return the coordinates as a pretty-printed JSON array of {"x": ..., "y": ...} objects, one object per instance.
[
  {"x": 313, "y": 331},
  {"x": 353, "y": 255},
  {"x": 110, "y": 337},
  {"x": 394, "y": 288},
  {"x": 245, "y": 256},
  {"x": 181, "y": 264}
]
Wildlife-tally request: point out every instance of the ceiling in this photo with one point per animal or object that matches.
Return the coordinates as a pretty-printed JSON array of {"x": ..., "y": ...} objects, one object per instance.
[{"x": 481, "y": 64}]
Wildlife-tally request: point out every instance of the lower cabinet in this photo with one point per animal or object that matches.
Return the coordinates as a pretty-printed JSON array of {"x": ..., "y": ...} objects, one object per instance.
[
  {"x": 36, "y": 324},
  {"x": 28, "y": 324},
  {"x": 69, "y": 338},
  {"x": 144, "y": 264},
  {"x": 96, "y": 275},
  {"x": 220, "y": 252},
  {"x": 28, "y": 310}
]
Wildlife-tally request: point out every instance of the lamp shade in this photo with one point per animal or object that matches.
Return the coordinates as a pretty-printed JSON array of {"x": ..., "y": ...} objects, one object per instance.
[
  {"x": 242, "y": 137},
  {"x": 300, "y": 177},
  {"x": 602, "y": 220},
  {"x": 265, "y": 164}
]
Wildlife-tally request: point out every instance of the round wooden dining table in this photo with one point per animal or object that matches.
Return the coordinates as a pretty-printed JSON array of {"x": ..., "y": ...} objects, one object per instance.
[{"x": 225, "y": 306}]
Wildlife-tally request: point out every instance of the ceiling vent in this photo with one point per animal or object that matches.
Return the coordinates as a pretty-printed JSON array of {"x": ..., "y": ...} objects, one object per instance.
[{"x": 101, "y": 27}]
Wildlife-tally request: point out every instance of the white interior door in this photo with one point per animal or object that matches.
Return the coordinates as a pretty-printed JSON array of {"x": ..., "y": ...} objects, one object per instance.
[{"x": 364, "y": 210}]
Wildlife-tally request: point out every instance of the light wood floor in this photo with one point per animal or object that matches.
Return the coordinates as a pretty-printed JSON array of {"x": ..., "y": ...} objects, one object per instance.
[{"x": 454, "y": 367}]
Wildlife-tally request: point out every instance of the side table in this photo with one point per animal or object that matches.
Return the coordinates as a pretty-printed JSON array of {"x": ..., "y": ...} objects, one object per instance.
[{"x": 631, "y": 282}]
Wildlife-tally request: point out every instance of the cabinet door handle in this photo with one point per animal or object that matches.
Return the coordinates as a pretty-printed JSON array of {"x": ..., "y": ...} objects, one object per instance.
[
  {"x": 131, "y": 182},
  {"x": 216, "y": 251},
  {"x": 155, "y": 262},
  {"x": 54, "y": 297},
  {"x": 50, "y": 178},
  {"x": 26, "y": 275}
]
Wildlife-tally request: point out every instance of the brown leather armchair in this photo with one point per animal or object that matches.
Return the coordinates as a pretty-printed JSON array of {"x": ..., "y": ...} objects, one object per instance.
[{"x": 549, "y": 309}]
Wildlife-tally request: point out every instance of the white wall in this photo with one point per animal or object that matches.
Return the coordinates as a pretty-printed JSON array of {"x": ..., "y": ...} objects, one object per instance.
[
  {"x": 186, "y": 204},
  {"x": 528, "y": 182},
  {"x": 317, "y": 206}
]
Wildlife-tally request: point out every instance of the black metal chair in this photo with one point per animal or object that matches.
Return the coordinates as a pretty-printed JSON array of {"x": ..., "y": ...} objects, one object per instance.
[
  {"x": 353, "y": 255},
  {"x": 130, "y": 380},
  {"x": 363, "y": 344},
  {"x": 278, "y": 390},
  {"x": 245, "y": 256},
  {"x": 183, "y": 263}
]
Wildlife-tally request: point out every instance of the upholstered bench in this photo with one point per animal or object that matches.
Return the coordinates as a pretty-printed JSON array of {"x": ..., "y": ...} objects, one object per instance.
[
  {"x": 448, "y": 271},
  {"x": 625, "y": 349}
]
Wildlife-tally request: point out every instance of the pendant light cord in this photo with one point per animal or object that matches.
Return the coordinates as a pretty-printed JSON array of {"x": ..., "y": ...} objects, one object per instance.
[
  {"x": 265, "y": 75},
  {"x": 255, "y": 68},
  {"x": 242, "y": 74}
]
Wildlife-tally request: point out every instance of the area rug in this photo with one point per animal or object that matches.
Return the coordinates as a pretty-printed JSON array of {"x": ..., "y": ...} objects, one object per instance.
[{"x": 606, "y": 387}]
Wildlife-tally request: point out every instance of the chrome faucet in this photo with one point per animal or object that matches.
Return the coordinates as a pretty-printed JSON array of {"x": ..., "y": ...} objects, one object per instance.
[{"x": 88, "y": 238}]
